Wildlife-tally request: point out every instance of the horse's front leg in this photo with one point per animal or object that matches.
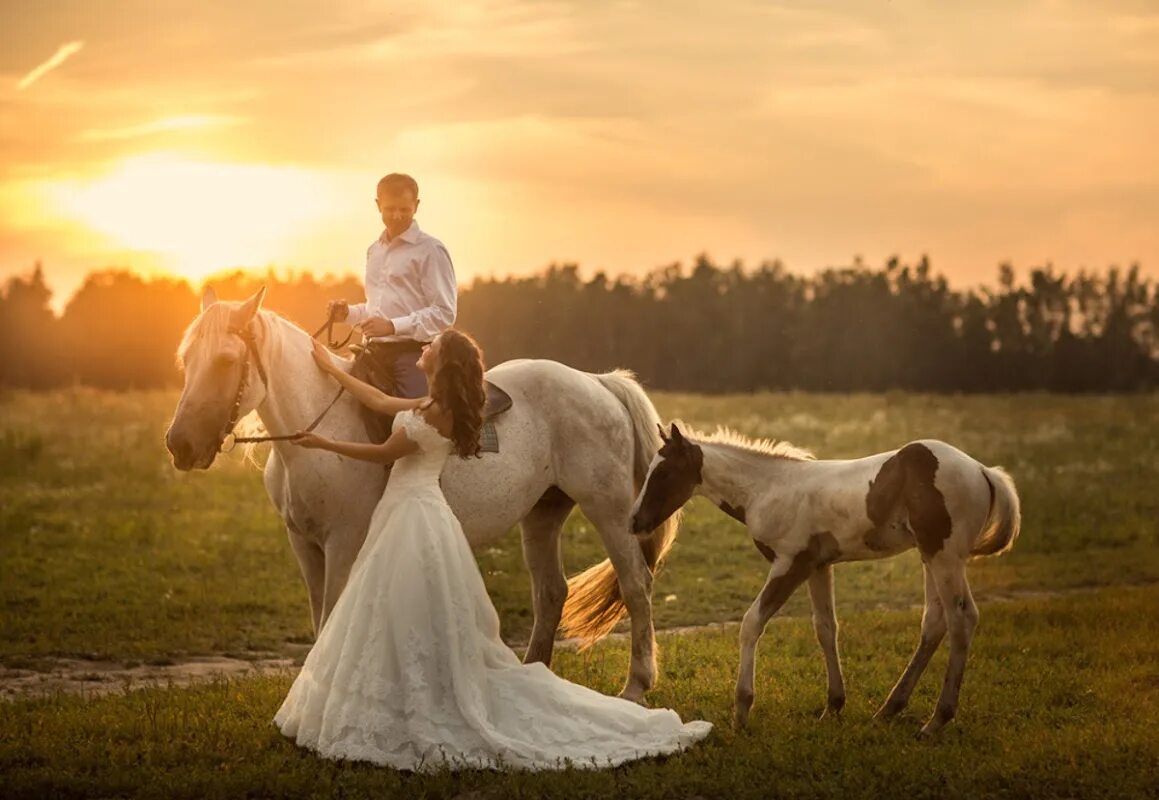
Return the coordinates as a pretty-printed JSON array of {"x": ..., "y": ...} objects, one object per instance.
[
  {"x": 541, "y": 530},
  {"x": 784, "y": 578},
  {"x": 312, "y": 563},
  {"x": 311, "y": 559},
  {"x": 611, "y": 515},
  {"x": 341, "y": 551}
]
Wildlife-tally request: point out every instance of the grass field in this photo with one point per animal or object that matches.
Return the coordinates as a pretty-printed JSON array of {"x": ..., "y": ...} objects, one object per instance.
[{"x": 106, "y": 552}]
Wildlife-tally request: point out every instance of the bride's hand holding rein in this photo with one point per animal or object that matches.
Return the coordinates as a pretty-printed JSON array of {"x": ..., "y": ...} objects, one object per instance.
[{"x": 310, "y": 440}]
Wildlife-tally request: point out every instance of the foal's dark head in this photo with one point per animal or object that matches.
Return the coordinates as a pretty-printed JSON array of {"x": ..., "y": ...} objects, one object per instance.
[{"x": 671, "y": 480}]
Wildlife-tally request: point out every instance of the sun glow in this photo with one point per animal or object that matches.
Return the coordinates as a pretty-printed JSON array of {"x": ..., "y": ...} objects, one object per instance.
[{"x": 202, "y": 216}]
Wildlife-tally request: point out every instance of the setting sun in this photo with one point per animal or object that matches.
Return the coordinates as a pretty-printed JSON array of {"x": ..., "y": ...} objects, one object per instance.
[
  {"x": 199, "y": 216},
  {"x": 619, "y": 138}
]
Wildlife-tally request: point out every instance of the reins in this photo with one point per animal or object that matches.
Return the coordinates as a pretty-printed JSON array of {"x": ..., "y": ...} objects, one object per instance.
[{"x": 247, "y": 336}]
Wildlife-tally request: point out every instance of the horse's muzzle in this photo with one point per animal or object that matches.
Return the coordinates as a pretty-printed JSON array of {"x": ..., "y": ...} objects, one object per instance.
[{"x": 185, "y": 456}]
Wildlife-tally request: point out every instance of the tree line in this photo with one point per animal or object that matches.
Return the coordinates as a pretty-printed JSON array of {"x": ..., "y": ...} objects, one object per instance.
[{"x": 706, "y": 327}]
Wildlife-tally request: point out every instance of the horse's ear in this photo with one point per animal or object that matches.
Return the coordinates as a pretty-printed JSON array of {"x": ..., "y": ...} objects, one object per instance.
[
  {"x": 675, "y": 434},
  {"x": 249, "y": 308},
  {"x": 663, "y": 435},
  {"x": 208, "y": 297}
]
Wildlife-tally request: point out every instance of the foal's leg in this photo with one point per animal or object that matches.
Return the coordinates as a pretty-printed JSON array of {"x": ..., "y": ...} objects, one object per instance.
[
  {"x": 933, "y": 630},
  {"x": 312, "y": 563},
  {"x": 962, "y": 618},
  {"x": 825, "y": 626},
  {"x": 610, "y": 514},
  {"x": 784, "y": 578},
  {"x": 541, "y": 552}
]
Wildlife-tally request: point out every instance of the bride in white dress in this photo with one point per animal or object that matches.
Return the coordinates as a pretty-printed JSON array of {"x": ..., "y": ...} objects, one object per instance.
[{"x": 408, "y": 670}]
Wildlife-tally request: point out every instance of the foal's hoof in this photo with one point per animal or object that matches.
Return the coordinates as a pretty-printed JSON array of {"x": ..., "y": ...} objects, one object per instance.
[
  {"x": 931, "y": 729},
  {"x": 833, "y": 708},
  {"x": 740, "y": 720},
  {"x": 889, "y": 711},
  {"x": 942, "y": 717}
]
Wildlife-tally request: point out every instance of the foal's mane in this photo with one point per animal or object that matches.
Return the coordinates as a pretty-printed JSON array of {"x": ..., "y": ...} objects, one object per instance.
[{"x": 727, "y": 437}]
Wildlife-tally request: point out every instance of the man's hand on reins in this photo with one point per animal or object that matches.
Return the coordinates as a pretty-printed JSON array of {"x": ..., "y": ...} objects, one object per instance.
[
  {"x": 338, "y": 310},
  {"x": 377, "y": 326}
]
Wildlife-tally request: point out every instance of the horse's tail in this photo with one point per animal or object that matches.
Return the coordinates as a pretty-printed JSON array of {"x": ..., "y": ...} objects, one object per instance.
[
  {"x": 594, "y": 604},
  {"x": 1005, "y": 519}
]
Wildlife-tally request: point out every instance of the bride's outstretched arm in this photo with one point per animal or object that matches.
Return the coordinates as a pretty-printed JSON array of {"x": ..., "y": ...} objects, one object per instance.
[
  {"x": 368, "y": 395},
  {"x": 394, "y": 448}
]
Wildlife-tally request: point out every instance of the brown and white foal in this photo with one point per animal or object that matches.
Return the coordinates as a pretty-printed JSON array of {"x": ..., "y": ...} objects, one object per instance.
[{"x": 806, "y": 515}]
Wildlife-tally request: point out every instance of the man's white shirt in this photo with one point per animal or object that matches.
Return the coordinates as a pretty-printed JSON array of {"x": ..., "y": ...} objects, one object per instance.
[{"x": 410, "y": 281}]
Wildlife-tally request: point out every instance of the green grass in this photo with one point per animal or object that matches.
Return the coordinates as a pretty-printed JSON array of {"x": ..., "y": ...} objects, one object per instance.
[
  {"x": 1061, "y": 700},
  {"x": 107, "y": 552}
]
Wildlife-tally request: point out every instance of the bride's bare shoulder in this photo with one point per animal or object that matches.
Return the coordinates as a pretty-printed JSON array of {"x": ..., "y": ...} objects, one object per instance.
[{"x": 437, "y": 417}]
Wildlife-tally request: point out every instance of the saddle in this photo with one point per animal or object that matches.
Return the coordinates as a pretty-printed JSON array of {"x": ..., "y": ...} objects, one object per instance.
[{"x": 498, "y": 401}]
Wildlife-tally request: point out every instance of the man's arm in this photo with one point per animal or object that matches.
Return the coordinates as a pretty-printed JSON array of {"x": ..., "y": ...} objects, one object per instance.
[
  {"x": 357, "y": 313},
  {"x": 360, "y": 312},
  {"x": 441, "y": 293}
]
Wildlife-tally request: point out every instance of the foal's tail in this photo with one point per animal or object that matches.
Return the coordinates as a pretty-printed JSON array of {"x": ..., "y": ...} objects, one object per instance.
[
  {"x": 594, "y": 604},
  {"x": 1005, "y": 520}
]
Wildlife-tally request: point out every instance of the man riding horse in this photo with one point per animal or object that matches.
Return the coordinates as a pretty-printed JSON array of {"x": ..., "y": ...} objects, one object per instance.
[{"x": 410, "y": 298}]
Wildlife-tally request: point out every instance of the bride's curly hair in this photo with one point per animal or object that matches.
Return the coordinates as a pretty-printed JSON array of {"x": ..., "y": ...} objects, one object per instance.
[{"x": 458, "y": 388}]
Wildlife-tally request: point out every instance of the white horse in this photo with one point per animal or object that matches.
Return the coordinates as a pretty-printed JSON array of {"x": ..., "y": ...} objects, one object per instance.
[
  {"x": 805, "y": 515},
  {"x": 570, "y": 438}
]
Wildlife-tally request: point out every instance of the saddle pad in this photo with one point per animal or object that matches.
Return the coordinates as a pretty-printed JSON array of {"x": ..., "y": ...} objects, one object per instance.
[{"x": 489, "y": 438}]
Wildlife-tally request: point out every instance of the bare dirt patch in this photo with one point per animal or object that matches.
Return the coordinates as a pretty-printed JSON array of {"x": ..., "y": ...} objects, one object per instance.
[{"x": 79, "y": 676}]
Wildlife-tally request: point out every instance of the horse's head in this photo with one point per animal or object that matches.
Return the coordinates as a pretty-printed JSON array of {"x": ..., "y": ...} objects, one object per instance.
[
  {"x": 672, "y": 478},
  {"x": 221, "y": 386}
]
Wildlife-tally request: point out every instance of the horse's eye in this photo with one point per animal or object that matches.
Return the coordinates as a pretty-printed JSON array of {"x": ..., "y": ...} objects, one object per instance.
[{"x": 225, "y": 360}]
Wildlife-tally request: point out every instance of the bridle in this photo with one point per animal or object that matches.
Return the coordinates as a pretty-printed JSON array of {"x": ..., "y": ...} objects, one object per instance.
[{"x": 246, "y": 334}]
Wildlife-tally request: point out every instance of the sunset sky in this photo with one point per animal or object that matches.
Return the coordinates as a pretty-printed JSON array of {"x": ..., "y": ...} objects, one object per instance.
[{"x": 192, "y": 137}]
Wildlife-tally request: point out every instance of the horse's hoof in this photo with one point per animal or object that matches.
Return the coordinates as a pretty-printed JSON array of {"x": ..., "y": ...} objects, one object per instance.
[
  {"x": 634, "y": 695},
  {"x": 537, "y": 657},
  {"x": 740, "y": 721}
]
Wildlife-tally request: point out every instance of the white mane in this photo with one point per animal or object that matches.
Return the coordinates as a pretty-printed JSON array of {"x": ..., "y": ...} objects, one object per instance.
[
  {"x": 729, "y": 438},
  {"x": 213, "y": 323}
]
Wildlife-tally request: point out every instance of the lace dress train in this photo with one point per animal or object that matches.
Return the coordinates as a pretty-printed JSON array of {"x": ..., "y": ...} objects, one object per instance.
[{"x": 409, "y": 670}]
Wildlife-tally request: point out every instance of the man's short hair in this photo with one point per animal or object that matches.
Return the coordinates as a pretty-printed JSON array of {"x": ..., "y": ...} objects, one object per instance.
[{"x": 396, "y": 183}]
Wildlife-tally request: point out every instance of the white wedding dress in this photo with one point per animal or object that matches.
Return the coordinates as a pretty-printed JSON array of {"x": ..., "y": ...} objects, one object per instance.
[{"x": 409, "y": 670}]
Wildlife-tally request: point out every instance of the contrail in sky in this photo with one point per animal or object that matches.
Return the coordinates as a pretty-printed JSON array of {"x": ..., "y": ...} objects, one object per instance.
[{"x": 59, "y": 57}]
